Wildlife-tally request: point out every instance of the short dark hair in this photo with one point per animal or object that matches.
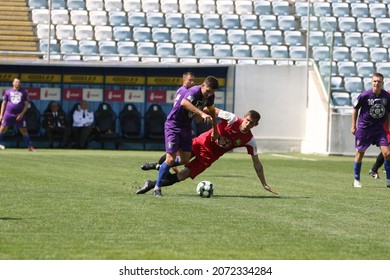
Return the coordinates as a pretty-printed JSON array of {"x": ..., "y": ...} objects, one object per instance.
[
  {"x": 254, "y": 115},
  {"x": 378, "y": 75},
  {"x": 185, "y": 74},
  {"x": 212, "y": 82}
]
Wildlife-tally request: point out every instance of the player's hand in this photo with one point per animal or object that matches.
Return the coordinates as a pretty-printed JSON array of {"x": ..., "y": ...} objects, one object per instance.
[
  {"x": 198, "y": 118},
  {"x": 268, "y": 188},
  {"x": 207, "y": 118},
  {"x": 19, "y": 117}
]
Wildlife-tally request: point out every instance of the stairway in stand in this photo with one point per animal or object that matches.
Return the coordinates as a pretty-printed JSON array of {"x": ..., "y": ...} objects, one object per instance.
[{"x": 16, "y": 30}]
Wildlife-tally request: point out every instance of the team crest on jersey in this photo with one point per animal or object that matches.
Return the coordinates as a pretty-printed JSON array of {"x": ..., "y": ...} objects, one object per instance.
[
  {"x": 223, "y": 142},
  {"x": 377, "y": 111},
  {"x": 237, "y": 142},
  {"x": 170, "y": 145},
  {"x": 16, "y": 97}
]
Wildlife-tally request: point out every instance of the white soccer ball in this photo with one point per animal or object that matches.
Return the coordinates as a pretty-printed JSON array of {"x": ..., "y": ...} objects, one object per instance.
[
  {"x": 2, "y": 147},
  {"x": 205, "y": 189}
]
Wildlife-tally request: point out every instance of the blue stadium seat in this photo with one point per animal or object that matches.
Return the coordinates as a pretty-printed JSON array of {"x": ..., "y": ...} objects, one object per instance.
[
  {"x": 249, "y": 22},
  {"x": 136, "y": 19},
  {"x": 327, "y": 68},
  {"x": 322, "y": 9},
  {"x": 184, "y": 49},
  {"x": 341, "y": 98},
  {"x": 243, "y": 7},
  {"x": 161, "y": 35},
  {"x": 382, "y": 25},
  {"x": 268, "y": 22},
  {"x": 321, "y": 53},
  {"x": 211, "y": 21},
  {"x": 141, "y": 34},
  {"x": 155, "y": 19},
  {"x": 43, "y": 31},
  {"x": 199, "y": 35},
  {"x": 353, "y": 84},
  {"x": 117, "y": 18},
  {"x": 274, "y": 37},
  {"x": 69, "y": 46},
  {"x": 341, "y": 54},
  {"x": 192, "y": 21},
  {"x": 286, "y": 22},
  {"x": 262, "y": 7},
  {"x": 206, "y": 7},
  {"x": 64, "y": 31},
  {"x": 359, "y": 54},
  {"x": 37, "y": 4},
  {"x": 40, "y": 16},
  {"x": 179, "y": 35},
  {"x": 94, "y": 5},
  {"x": 241, "y": 51},
  {"x": 103, "y": 33},
  {"x": 293, "y": 38},
  {"x": 107, "y": 47},
  {"x": 146, "y": 48},
  {"x": 280, "y": 8},
  {"x": 260, "y": 51},
  {"x": 316, "y": 38},
  {"x": 126, "y": 48},
  {"x": 113, "y": 5},
  {"x": 165, "y": 49},
  {"x": 347, "y": 24},
  {"x": 169, "y": 6},
  {"x": 225, "y": 7},
  {"x": 98, "y": 17},
  {"x": 84, "y": 32},
  {"x": 359, "y": 10},
  {"x": 337, "y": 83},
  {"x": 59, "y": 17},
  {"x": 76, "y": 5},
  {"x": 353, "y": 39},
  {"x": 122, "y": 33},
  {"x": 385, "y": 38},
  {"x": 220, "y": 50},
  {"x": 301, "y": 8},
  {"x": 365, "y": 69},
  {"x": 230, "y": 21},
  {"x": 88, "y": 47},
  {"x": 328, "y": 23},
  {"x": 203, "y": 50},
  {"x": 340, "y": 9},
  {"x": 174, "y": 20},
  {"x": 346, "y": 68},
  {"x": 338, "y": 38},
  {"x": 377, "y": 10},
  {"x": 367, "y": 83},
  {"x": 279, "y": 51},
  {"x": 79, "y": 17},
  {"x": 371, "y": 39},
  {"x": 383, "y": 68},
  {"x": 132, "y": 6},
  {"x": 314, "y": 24},
  {"x": 188, "y": 6},
  {"x": 150, "y": 6},
  {"x": 236, "y": 36},
  {"x": 254, "y": 37},
  {"x": 58, "y": 4},
  {"x": 217, "y": 36},
  {"x": 297, "y": 51},
  {"x": 379, "y": 54},
  {"x": 365, "y": 24}
]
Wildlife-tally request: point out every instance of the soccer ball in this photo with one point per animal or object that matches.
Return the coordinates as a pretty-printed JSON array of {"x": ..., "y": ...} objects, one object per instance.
[{"x": 205, "y": 189}]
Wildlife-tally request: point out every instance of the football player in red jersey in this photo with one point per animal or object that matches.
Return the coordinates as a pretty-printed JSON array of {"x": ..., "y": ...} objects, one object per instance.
[{"x": 234, "y": 133}]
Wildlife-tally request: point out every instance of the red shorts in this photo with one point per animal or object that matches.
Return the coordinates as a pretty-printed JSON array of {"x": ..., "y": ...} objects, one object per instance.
[{"x": 201, "y": 161}]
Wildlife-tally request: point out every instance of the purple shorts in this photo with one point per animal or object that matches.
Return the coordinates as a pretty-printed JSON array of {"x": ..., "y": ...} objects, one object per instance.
[
  {"x": 178, "y": 139},
  {"x": 364, "y": 139},
  {"x": 10, "y": 120}
]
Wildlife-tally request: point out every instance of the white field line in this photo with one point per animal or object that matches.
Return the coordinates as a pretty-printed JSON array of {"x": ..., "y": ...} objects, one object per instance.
[{"x": 293, "y": 157}]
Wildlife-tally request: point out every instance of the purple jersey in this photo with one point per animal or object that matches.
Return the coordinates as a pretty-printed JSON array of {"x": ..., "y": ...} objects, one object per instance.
[
  {"x": 15, "y": 101},
  {"x": 373, "y": 110},
  {"x": 180, "y": 117}
]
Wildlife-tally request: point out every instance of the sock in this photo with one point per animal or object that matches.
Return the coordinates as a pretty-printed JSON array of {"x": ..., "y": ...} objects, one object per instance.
[
  {"x": 357, "y": 166},
  {"x": 169, "y": 180},
  {"x": 387, "y": 168},
  {"x": 177, "y": 162},
  {"x": 26, "y": 139},
  {"x": 162, "y": 173},
  {"x": 1, "y": 136},
  {"x": 379, "y": 161},
  {"x": 162, "y": 159}
]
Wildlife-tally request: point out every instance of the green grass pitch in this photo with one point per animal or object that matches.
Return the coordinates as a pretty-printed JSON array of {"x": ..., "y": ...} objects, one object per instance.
[{"x": 72, "y": 204}]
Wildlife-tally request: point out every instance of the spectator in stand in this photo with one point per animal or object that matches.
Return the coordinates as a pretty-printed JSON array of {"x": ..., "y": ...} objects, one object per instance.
[
  {"x": 83, "y": 125},
  {"x": 56, "y": 125}
]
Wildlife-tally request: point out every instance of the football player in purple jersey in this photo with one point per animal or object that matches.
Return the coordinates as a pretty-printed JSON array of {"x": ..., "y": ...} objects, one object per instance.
[
  {"x": 370, "y": 112},
  {"x": 188, "y": 104},
  {"x": 14, "y": 106}
]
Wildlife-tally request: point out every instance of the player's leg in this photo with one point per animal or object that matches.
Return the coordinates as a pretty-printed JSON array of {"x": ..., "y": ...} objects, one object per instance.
[
  {"x": 3, "y": 130},
  {"x": 163, "y": 172},
  {"x": 26, "y": 138},
  {"x": 357, "y": 167},
  {"x": 375, "y": 167},
  {"x": 169, "y": 180},
  {"x": 386, "y": 154}
]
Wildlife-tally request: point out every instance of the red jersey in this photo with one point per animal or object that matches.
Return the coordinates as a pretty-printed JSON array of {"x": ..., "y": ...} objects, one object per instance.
[{"x": 230, "y": 137}]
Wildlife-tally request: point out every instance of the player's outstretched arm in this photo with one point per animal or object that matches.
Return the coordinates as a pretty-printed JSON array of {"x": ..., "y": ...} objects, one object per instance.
[
  {"x": 260, "y": 173},
  {"x": 191, "y": 108}
]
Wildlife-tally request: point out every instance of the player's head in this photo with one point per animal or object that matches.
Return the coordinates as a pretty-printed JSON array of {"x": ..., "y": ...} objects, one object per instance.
[
  {"x": 54, "y": 106},
  {"x": 188, "y": 79},
  {"x": 377, "y": 82},
  {"x": 251, "y": 119},
  {"x": 83, "y": 105},
  {"x": 209, "y": 85},
  {"x": 16, "y": 83}
]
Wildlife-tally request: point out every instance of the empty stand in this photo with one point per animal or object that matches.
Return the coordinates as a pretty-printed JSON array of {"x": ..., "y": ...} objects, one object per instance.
[
  {"x": 179, "y": 35},
  {"x": 254, "y": 37},
  {"x": 117, "y": 18},
  {"x": 206, "y": 7},
  {"x": 184, "y": 49},
  {"x": 236, "y": 37},
  {"x": 165, "y": 49},
  {"x": 161, "y": 35},
  {"x": 260, "y": 51},
  {"x": 217, "y": 36},
  {"x": 79, "y": 17},
  {"x": 365, "y": 69},
  {"x": 243, "y": 7},
  {"x": 155, "y": 19},
  {"x": 203, "y": 50},
  {"x": 198, "y": 35},
  {"x": 220, "y": 50},
  {"x": 262, "y": 7},
  {"x": 211, "y": 21},
  {"x": 359, "y": 54},
  {"x": 122, "y": 33}
]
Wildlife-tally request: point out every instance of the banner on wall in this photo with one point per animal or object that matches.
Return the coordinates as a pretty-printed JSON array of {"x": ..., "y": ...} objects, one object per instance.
[
  {"x": 33, "y": 93},
  {"x": 51, "y": 94},
  {"x": 41, "y": 78},
  {"x": 114, "y": 95},
  {"x": 93, "y": 94},
  {"x": 171, "y": 94},
  {"x": 8, "y": 77},
  {"x": 72, "y": 94},
  {"x": 156, "y": 96},
  {"x": 83, "y": 79},
  {"x": 125, "y": 80},
  {"x": 134, "y": 96}
]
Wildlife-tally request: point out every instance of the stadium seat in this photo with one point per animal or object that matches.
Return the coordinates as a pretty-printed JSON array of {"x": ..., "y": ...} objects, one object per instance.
[
  {"x": 105, "y": 122},
  {"x": 340, "y": 9},
  {"x": 40, "y": 16},
  {"x": 89, "y": 58},
  {"x": 378, "y": 10},
  {"x": 203, "y": 50},
  {"x": 103, "y": 33},
  {"x": 260, "y": 51},
  {"x": 94, "y": 5},
  {"x": 217, "y": 36},
  {"x": 64, "y": 31},
  {"x": 206, "y": 7},
  {"x": 314, "y": 24},
  {"x": 347, "y": 24},
  {"x": 254, "y": 37},
  {"x": 211, "y": 21},
  {"x": 113, "y": 5},
  {"x": 188, "y": 6},
  {"x": 297, "y": 51},
  {"x": 383, "y": 68},
  {"x": 154, "y": 122},
  {"x": 246, "y": 61},
  {"x": 268, "y": 22},
  {"x": 328, "y": 23},
  {"x": 243, "y": 7},
  {"x": 385, "y": 38},
  {"x": 150, "y": 6},
  {"x": 293, "y": 38},
  {"x": 220, "y": 50},
  {"x": 136, "y": 19},
  {"x": 273, "y": 37},
  {"x": 37, "y": 4},
  {"x": 107, "y": 47},
  {"x": 130, "y": 120},
  {"x": 169, "y": 59},
  {"x": 353, "y": 39},
  {"x": 71, "y": 57},
  {"x": 44, "y": 45},
  {"x": 365, "y": 24},
  {"x": 359, "y": 54},
  {"x": 142, "y": 34},
  {"x": 262, "y": 7},
  {"x": 341, "y": 54},
  {"x": 174, "y": 20},
  {"x": 84, "y": 32},
  {"x": 132, "y": 6},
  {"x": 184, "y": 49},
  {"x": 236, "y": 36},
  {"x": 169, "y": 6},
  {"x": 241, "y": 51},
  {"x": 371, "y": 39},
  {"x": 188, "y": 60},
  {"x": 117, "y": 18},
  {"x": 161, "y": 35},
  {"x": 122, "y": 33},
  {"x": 88, "y": 47},
  {"x": 326, "y": 68},
  {"x": 146, "y": 48},
  {"x": 365, "y": 69},
  {"x": 155, "y": 19},
  {"x": 336, "y": 83},
  {"x": 359, "y": 10},
  {"x": 382, "y": 25},
  {"x": 126, "y": 48},
  {"x": 334, "y": 38},
  {"x": 353, "y": 84},
  {"x": 76, "y": 5},
  {"x": 316, "y": 38},
  {"x": 192, "y": 21},
  {"x": 198, "y": 36},
  {"x": 79, "y": 17},
  {"x": 301, "y": 8},
  {"x": 208, "y": 61},
  {"x": 249, "y": 22},
  {"x": 346, "y": 68},
  {"x": 286, "y": 22},
  {"x": 59, "y": 17},
  {"x": 98, "y": 18},
  {"x": 321, "y": 53},
  {"x": 43, "y": 31},
  {"x": 230, "y": 21},
  {"x": 279, "y": 51},
  {"x": 379, "y": 54},
  {"x": 225, "y": 7},
  {"x": 280, "y": 8},
  {"x": 322, "y": 9},
  {"x": 354, "y": 96},
  {"x": 165, "y": 49},
  {"x": 179, "y": 35},
  {"x": 69, "y": 46},
  {"x": 367, "y": 83},
  {"x": 33, "y": 120},
  {"x": 226, "y": 61},
  {"x": 341, "y": 98}
]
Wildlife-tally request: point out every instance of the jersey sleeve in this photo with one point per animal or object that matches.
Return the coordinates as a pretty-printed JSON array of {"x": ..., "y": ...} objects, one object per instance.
[
  {"x": 227, "y": 116},
  {"x": 251, "y": 147}
]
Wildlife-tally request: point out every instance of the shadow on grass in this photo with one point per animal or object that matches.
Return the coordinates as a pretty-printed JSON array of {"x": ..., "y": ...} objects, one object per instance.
[
  {"x": 9, "y": 219},
  {"x": 256, "y": 196}
]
